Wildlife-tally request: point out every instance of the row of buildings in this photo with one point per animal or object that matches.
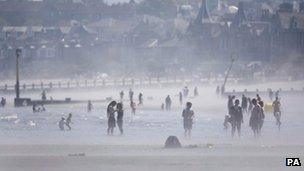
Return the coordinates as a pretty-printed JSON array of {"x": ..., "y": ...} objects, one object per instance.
[{"x": 144, "y": 44}]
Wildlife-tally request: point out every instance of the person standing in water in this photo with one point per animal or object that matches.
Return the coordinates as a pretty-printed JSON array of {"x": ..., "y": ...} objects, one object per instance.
[
  {"x": 90, "y": 106},
  {"x": 276, "y": 105},
  {"x": 255, "y": 118},
  {"x": 120, "y": 113},
  {"x": 236, "y": 118},
  {"x": 168, "y": 102},
  {"x": 111, "y": 117},
  {"x": 180, "y": 98},
  {"x": 69, "y": 121},
  {"x": 188, "y": 116},
  {"x": 140, "y": 99}
]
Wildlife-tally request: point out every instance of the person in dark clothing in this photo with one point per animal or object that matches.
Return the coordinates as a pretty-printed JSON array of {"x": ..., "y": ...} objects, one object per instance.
[
  {"x": 120, "y": 113},
  {"x": 131, "y": 94},
  {"x": 69, "y": 121},
  {"x": 168, "y": 102},
  {"x": 43, "y": 95},
  {"x": 90, "y": 106},
  {"x": 188, "y": 116},
  {"x": 140, "y": 99},
  {"x": 111, "y": 117},
  {"x": 236, "y": 118},
  {"x": 258, "y": 98},
  {"x": 244, "y": 104},
  {"x": 255, "y": 118},
  {"x": 3, "y": 101},
  {"x": 180, "y": 98}
]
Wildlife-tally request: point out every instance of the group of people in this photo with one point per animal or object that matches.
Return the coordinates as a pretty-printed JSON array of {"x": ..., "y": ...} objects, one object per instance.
[
  {"x": 181, "y": 96},
  {"x": 113, "y": 108},
  {"x": 255, "y": 107},
  {"x": 38, "y": 108},
  {"x": 235, "y": 117}
]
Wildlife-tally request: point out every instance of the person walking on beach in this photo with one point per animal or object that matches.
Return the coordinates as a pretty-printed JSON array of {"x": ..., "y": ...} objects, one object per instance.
[
  {"x": 255, "y": 118},
  {"x": 90, "y": 106},
  {"x": 188, "y": 116},
  {"x": 276, "y": 105},
  {"x": 140, "y": 99},
  {"x": 120, "y": 113},
  {"x": 236, "y": 118},
  {"x": 168, "y": 102},
  {"x": 111, "y": 117},
  {"x": 69, "y": 121}
]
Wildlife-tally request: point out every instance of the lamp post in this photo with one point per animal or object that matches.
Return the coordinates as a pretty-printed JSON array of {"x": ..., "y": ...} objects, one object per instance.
[{"x": 17, "y": 88}]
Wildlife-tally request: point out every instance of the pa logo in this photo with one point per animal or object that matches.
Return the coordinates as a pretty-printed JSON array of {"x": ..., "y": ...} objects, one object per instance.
[{"x": 293, "y": 162}]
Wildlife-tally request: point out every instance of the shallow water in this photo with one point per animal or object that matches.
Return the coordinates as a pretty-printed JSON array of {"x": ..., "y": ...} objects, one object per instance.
[{"x": 149, "y": 126}]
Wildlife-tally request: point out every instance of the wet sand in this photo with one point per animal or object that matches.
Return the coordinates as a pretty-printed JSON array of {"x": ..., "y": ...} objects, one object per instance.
[{"x": 142, "y": 158}]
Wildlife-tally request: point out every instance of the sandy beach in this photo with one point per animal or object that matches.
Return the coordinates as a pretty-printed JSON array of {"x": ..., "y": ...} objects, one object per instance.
[{"x": 154, "y": 158}]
